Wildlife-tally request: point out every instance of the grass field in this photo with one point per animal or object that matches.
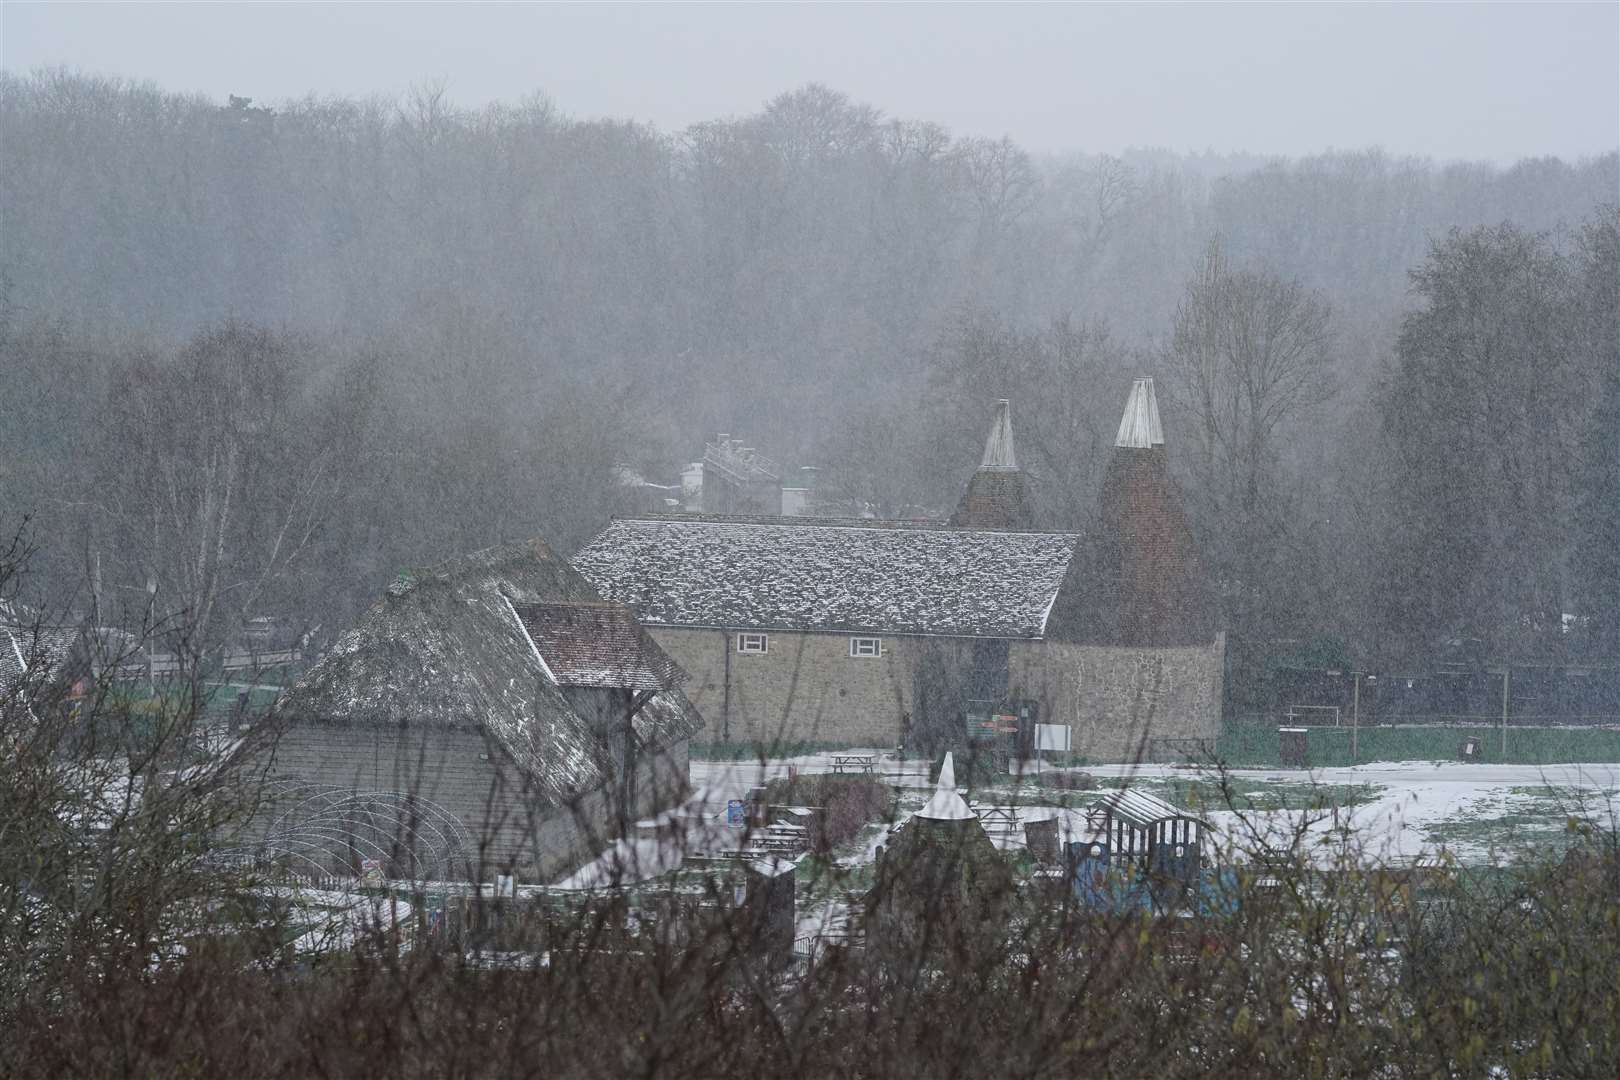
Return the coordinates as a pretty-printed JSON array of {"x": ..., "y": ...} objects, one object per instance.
[{"x": 1254, "y": 744}]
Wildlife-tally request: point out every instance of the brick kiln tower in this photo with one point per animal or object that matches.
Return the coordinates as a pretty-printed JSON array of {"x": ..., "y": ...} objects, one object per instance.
[
  {"x": 1138, "y": 580},
  {"x": 997, "y": 495}
]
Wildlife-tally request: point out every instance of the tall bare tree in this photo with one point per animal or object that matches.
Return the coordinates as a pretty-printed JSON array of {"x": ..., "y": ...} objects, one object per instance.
[
  {"x": 1250, "y": 354},
  {"x": 217, "y": 475}
]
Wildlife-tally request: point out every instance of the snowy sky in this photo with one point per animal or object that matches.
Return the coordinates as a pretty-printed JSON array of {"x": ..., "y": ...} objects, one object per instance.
[{"x": 1495, "y": 81}]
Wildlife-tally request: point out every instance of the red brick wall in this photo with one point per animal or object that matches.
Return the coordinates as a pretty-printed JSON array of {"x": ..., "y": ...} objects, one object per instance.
[{"x": 995, "y": 499}]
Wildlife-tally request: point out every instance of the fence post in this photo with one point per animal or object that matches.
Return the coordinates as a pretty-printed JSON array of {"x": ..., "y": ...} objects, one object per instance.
[
  {"x": 1506, "y": 669},
  {"x": 1355, "y": 713}
]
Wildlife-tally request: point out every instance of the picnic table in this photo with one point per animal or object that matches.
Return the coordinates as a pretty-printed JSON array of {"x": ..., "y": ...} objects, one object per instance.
[
  {"x": 861, "y": 763},
  {"x": 1004, "y": 817}
]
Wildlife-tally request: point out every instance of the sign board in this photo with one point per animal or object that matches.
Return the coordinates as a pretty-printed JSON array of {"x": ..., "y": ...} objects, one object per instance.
[
  {"x": 1053, "y": 737},
  {"x": 371, "y": 872},
  {"x": 987, "y": 719},
  {"x": 505, "y": 885},
  {"x": 736, "y": 813}
]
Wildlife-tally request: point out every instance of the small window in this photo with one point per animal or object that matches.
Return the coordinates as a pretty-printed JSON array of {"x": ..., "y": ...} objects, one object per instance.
[
  {"x": 865, "y": 646},
  {"x": 752, "y": 643}
]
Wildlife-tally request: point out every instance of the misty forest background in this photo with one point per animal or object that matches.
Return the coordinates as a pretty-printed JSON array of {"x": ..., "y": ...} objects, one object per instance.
[{"x": 260, "y": 360}]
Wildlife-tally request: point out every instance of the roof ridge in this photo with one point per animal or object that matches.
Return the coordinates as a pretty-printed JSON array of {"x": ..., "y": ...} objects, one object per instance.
[
  {"x": 873, "y": 524},
  {"x": 605, "y": 604}
]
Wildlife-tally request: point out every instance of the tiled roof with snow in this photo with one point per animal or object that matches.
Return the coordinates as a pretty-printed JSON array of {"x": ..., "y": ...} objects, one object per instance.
[
  {"x": 832, "y": 575},
  {"x": 597, "y": 645}
]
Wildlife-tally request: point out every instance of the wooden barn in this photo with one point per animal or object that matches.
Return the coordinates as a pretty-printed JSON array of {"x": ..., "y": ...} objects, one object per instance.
[{"x": 489, "y": 717}]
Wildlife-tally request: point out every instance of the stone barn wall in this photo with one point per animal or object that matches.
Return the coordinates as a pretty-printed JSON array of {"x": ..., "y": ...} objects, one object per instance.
[
  {"x": 805, "y": 688},
  {"x": 1117, "y": 698}
]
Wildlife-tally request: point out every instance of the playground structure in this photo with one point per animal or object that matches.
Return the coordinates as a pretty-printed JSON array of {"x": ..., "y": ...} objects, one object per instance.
[{"x": 1144, "y": 853}]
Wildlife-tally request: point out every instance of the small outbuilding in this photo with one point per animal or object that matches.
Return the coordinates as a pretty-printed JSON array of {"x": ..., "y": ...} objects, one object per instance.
[{"x": 489, "y": 717}]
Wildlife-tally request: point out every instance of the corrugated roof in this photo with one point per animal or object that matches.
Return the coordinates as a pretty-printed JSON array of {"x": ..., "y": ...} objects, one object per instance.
[
  {"x": 597, "y": 645},
  {"x": 1139, "y": 808},
  {"x": 1139, "y": 428},
  {"x": 833, "y": 576}
]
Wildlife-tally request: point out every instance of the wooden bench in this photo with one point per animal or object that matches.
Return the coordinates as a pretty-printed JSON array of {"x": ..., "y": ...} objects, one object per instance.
[{"x": 861, "y": 763}]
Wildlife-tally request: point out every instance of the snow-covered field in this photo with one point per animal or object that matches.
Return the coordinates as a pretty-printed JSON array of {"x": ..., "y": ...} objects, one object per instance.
[{"x": 1397, "y": 812}]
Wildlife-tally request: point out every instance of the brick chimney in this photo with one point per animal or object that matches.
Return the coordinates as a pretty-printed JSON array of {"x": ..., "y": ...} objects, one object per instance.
[
  {"x": 1138, "y": 580},
  {"x": 997, "y": 495}
]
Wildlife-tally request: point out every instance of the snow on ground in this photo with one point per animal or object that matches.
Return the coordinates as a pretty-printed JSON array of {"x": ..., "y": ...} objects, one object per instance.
[
  {"x": 1478, "y": 813},
  {"x": 338, "y": 920},
  {"x": 1404, "y": 810}
]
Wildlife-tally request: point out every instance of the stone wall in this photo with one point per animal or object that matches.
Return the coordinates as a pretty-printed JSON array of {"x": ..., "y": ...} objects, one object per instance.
[
  {"x": 506, "y": 825},
  {"x": 1116, "y": 699},
  {"x": 805, "y": 688}
]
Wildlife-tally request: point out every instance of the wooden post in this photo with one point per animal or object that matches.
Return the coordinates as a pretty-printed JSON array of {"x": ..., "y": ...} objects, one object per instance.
[
  {"x": 725, "y": 690},
  {"x": 1355, "y": 713},
  {"x": 1506, "y": 669}
]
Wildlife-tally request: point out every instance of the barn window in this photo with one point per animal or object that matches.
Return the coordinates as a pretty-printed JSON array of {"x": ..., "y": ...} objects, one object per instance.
[
  {"x": 753, "y": 643},
  {"x": 865, "y": 646}
]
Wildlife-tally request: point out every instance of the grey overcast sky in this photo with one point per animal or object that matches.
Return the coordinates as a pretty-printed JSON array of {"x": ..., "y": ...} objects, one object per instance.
[{"x": 1465, "y": 80}]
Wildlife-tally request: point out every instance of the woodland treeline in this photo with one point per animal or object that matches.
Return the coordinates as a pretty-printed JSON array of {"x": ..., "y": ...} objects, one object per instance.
[{"x": 259, "y": 359}]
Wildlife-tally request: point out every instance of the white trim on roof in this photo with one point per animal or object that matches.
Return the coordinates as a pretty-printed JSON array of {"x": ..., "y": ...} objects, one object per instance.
[
  {"x": 1046, "y": 613},
  {"x": 1139, "y": 428},
  {"x": 998, "y": 445},
  {"x": 511, "y": 609}
]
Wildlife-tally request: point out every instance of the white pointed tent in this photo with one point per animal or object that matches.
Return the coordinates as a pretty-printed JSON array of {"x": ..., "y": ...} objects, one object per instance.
[
  {"x": 946, "y": 804},
  {"x": 1139, "y": 428}
]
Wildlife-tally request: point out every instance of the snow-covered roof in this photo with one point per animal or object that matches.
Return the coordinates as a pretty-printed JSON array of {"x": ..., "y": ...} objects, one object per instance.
[
  {"x": 945, "y": 804},
  {"x": 1139, "y": 808},
  {"x": 1139, "y": 428},
  {"x": 44, "y": 649},
  {"x": 597, "y": 644},
  {"x": 445, "y": 649},
  {"x": 13, "y": 663},
  {"x": 830, "y": 575}
]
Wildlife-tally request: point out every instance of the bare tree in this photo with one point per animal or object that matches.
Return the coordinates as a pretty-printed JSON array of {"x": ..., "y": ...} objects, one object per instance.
[
  {"x": 1051, "y": 377},
  {"x": 216, "y": 477},
  {"x": 1001, "y": 181},
  {"x": 1091, "y": 197},
  {"x": 1249, "y": 355}
]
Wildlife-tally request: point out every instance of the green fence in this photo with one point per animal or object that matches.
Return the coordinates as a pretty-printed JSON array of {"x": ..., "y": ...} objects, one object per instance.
[{"x": 1253, "y": 743}]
